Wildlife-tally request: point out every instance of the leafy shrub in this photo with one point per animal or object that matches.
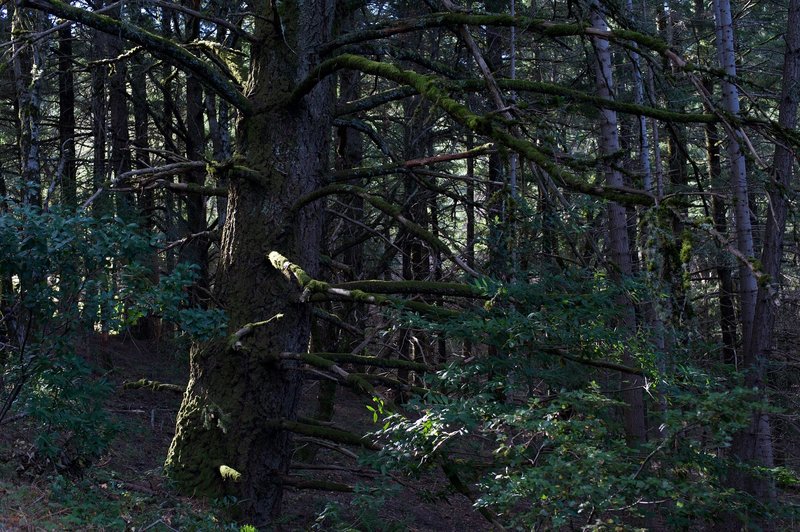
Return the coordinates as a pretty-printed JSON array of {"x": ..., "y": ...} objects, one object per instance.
[
  {"x": 65, "y": 274},
  {"x": 538, "y": 430}
]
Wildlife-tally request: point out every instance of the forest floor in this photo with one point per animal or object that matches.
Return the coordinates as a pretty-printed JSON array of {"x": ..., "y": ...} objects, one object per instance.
[{"x": 125, "y": 488}]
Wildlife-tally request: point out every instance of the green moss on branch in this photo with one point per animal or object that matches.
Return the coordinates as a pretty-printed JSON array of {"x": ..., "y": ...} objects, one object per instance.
[
  {"x": 326, "y": 433},
  {"x": 154, "y": 386}
]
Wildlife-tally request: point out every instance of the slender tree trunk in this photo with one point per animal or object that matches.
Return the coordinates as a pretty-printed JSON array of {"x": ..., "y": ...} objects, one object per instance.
[
  {"x": 727, "y": 308},
  {"x": 618, "y": 243},
  {"x": 196, "y": 249},
  {"x": 149, "y": 326},
  {"x": 66, "y": 119},
  {"x": 120, "y": 160},
  {"x": 741, "y": 202},
  {"x": 231, "y": 409},
  {"x": 28, "y": 68}
]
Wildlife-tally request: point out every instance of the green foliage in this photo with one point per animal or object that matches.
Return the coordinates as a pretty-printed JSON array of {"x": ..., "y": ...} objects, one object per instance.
[
  {"x": 363, "y": 514},
  {"x": 167, "y": 299},
  {"x": 541, "y": 435},
  {"x": 65, "y": 275}
]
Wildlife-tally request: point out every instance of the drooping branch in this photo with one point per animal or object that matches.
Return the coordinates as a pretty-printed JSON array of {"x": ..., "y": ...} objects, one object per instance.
[
  {"x": 315, "y": 291},
  {"x": 375, "y": 100},
  {"x": 541, "y": 26},
  {"x": 432, "y": 288},
  {"x": 155, "y": 44},
  {"x": 374, "y": 171},
  {"x": 200, "y": 15}
]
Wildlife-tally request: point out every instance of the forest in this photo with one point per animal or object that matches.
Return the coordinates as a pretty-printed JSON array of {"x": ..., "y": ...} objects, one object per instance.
[{"x": 399, "y": 265}]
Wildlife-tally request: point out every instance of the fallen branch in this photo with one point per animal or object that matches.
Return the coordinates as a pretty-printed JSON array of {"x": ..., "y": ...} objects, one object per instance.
[{"x": 154, "y": 386}]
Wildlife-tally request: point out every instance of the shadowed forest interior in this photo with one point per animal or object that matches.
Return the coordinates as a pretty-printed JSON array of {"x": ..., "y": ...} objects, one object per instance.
[{"x": 399, "y": 265}]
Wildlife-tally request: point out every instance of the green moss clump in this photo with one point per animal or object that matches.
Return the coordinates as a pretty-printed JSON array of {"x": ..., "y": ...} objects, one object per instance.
[{"x": 229, "y": 473}]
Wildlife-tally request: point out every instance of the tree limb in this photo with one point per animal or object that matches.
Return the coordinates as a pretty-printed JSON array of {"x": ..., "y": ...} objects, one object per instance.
[{"x": 155, "y": 44}]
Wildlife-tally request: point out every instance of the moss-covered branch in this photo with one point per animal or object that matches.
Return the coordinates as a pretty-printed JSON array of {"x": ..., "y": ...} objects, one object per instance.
[
  {"x": 154, "y": 386},
  {"x": 155, "y": 44},
  {"x": 552, "y": 89},
  {"x": 541, "y": 26},
  {"x": 434, "y": 288},
  {"x": 326, "y": 433},
  {"x": 429, "y": 87},
  {"x": 235, "y": 340},
  {"x": 279, "y": 262},
  {"x": 314, "y": 290}
]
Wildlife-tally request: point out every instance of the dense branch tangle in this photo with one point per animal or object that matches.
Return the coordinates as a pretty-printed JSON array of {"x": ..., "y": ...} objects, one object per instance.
[{"x": 424, "y": 143}]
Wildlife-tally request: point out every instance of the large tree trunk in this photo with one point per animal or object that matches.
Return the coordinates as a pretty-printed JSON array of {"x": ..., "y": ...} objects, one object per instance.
[{"x": 234, "y": 398}]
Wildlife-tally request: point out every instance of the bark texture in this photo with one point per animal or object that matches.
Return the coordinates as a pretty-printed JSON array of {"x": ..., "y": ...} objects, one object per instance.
[{"x": 234, "y": 397}]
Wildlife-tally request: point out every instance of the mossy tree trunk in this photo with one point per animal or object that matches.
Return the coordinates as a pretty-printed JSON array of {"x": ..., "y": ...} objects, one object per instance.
[{"x": 232, "y": 395}]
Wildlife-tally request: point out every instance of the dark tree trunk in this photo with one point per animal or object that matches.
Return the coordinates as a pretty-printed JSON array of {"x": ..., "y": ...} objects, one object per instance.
[
  {"x": 66, "y": 119},
  {"x": 234, "y": 397},
  {"x": 196, "y": 249},
  {"x": 120, "y": 159},
  {"x": 27, "y": 65}
]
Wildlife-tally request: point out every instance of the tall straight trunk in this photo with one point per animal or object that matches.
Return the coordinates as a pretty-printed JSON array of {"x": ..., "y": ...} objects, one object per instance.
[
  {"x": 196, "y": 249},
  {"x": 99, "y": 129},
  {"x": 754, "y": 444},
  {"x": 120, "y": 160},
  {"x": 235, "y": 399},
  {"x": 618, "y": 243},
  {"x": 28, "y": 68},
  {"x": 738, "y": 168},
  {"x": 66, "y": 119},
  {"x": 149, "y": 326},
  {"x": 349, "y": 154},
  {"x": 727, "y": 309}
]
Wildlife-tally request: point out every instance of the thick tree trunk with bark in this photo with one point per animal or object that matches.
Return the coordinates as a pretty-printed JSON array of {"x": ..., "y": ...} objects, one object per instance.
[
  {"x": 236, "y": 396},
  {"x": 741, "y": 203}
]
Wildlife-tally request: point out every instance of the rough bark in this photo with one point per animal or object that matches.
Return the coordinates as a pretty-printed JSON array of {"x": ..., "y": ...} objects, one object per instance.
[{"x": 232, "y": 396}]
